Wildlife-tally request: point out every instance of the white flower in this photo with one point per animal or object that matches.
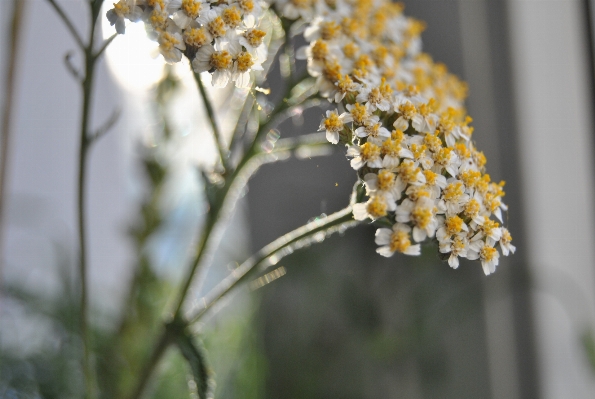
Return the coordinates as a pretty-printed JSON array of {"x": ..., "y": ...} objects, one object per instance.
[
  {"x": 208, "y": 58},
  {"x": 487, "y": 253},
  {"x": 374, "y": 130},
  {"x": 367, "y": 153},
  {"x": 383, "y": 184},
  {"x": 374, "y": 98},
  {"x": 396, "y": 240},
  {"x": 505, "y": 244},
  {"x": 190, "y": 10},
  {"x": 422, "y": 214},
  {"x": 457, "y": 246},
  {"x": 333, "y": 124},
  {"x": 124, "y": 9},
  {"x": 171, "y": 45},
  {"x": 453, "y": 197},
  {"x": 376, "y": 207}
]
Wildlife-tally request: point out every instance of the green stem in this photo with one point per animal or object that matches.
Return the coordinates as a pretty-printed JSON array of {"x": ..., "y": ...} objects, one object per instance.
[
  {"x": 343, "y": 217},
  {"x": 69, "y": 24},
  {"x": 212, "y": 120},
  {"x": 161, "y": 345},
  {"x": 8, "y": 101}
]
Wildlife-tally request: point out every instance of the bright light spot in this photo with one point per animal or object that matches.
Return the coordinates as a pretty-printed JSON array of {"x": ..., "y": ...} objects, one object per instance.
[{"x": 133, "y": 58}]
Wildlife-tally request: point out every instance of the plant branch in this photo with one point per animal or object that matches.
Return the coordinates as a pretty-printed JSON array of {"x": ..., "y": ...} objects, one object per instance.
[
  {"x": 211, "y": 115},
  {"x": 107, "y": 125},
  {"x": 75, "y": 35},
  {"x": 71, "y": 68},
  {"x": 8, "y": 101},
  {"x": 105, "y": 44},
  {"x": 337, "y": 221}
]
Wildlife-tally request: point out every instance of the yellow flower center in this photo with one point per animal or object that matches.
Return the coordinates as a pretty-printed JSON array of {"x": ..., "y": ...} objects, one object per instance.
[
  {"x": 489, "y": 226},
  {"x": 195, "y": 37},
  {"x": 431, "y": 177},
  {"x": 369, "y": 151},
  {"x": 359, "y": 113},
  {"x": 470, "y": 177},
  {"x": 158, "y": 19},
  {"x": 443, "y": 156},
  {"x": 254, "y": 37},
  {"x": 453, "y": 225},
  {"x": 244, "y": 62},
  {"x": 319, "y": 50},
  {"x": 221, "y": 60},
  {"x": 332, "y": 71},
  {"x": 390, "y": 148},
  {"x": 246, "y": 5},
  {"x": 488, "y": 253},
  {"x": 217, "y": 27},
  {"x": 191, "y": 8},
  {"x": 398, "y": 136},
  {"x": 121, "y": 8},
  {"x": 472, "y": 208},
  {"x": 231, "y": 16},
  {"x": 155, "y": 3},
  {"x": 345, "y": 84},
  {"x": 399, "y": 241},
  {"x": 407, "y": 110},
  {"x": 422, "y": 216},
  {"x": 377, "y": 207},
  {"x": 408, "y": 171},
  {"x": 333, "y": 123},
  {"x": 167, "y": 41},
  {"x": 418, "y": 151},
  {"x": 433, "y": 142},
  {"x": 329, "y": 30},
  {"x": 453, "y": 192},
  {"x": 386, "y": 180},
  {"x": 350, "y": 50}
]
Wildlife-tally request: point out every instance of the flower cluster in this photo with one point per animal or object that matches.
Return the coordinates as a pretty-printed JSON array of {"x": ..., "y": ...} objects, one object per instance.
[
  {"x": 403, "y": 120},
  {"x": 220, "y": 37}
]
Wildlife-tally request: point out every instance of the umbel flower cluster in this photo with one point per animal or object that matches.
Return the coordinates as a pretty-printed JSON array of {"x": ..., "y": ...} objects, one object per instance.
[
  {"x": 400, "y": 114},
  {"x": 221, "y": 37},
  {"x": 403, "y": 120}
]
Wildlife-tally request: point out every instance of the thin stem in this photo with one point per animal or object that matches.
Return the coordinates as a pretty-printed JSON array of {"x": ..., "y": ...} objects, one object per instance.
[
  {"x": 105, "y": 44},
  {"x": 343, "y": 217},
  {"x": 69, "y": 25},
  {"x": 8, "y": 101},
  {"x": 212, "y": 120},
  {"x": 161, "y": 345}
]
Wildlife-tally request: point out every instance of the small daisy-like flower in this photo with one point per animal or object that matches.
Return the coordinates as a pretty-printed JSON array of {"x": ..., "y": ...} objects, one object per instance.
[
  {"x": 505, "y": 244},
  {"x": 374, "y": 97},
  {"x": 396, "y": 239},
  {"x": 333, "y": 124},
  {"x": 422, "y": 214},
  {"x": 360, "y": 113},
  {"x": 171, "y": 46},
  {"x": 383, "y": 184},
  {"x": 488, "y": 255},
  {"x": 373, "y": 130},
  {"x": 221, "y": 62},
  {"x": 454, "y": 197},
  {"x": 367, "y": 153},
  {"x": 189, "y": 11},
  {"x": 213, "y": 22},
  {"x": 124, "y": 9},
  {"x": 458, "y": 246},
  {"x": 243, "y": 64},
  {"x": 375, "y": 208}
]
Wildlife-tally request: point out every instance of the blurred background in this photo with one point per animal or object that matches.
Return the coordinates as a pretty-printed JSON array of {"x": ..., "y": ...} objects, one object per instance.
[{"x": 342, "y": 321}]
